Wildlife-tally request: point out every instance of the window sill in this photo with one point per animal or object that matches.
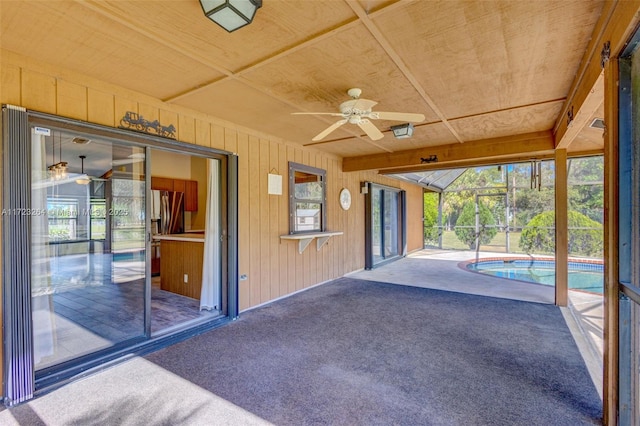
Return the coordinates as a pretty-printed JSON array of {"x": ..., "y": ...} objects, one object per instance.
[{"x": 305, "y": 239}]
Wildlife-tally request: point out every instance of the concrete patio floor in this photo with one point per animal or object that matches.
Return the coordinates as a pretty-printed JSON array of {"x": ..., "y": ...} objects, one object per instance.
[{"x": 440, "y": 269}]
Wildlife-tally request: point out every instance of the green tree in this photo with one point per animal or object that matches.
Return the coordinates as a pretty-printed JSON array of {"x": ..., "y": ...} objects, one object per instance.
[
  {"x": 586, "y": 189},
  {"x": 530, "y": 202},
  {"x": 431, "y": 217},
  {"x": 465, "y": 225},
  {"x": 463, "y": 190},
  {"x": 585, "y": 235}
]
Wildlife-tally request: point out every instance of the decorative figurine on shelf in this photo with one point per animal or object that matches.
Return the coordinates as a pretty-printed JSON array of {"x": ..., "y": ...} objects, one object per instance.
[{"x": 133, "y": 121}]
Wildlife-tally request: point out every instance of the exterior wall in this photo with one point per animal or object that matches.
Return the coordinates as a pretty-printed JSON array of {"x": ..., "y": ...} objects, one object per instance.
[{"x": 274, "y": 268}]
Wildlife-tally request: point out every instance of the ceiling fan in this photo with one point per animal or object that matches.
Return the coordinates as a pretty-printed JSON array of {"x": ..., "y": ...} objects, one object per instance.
[
  {"x": 358, "y": 111},
  {"x": 136, "y": 157},
  {"x": 84, "y": 178}
]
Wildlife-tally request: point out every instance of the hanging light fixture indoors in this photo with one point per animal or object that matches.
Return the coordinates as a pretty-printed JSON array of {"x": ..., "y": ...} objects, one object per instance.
[
  {"x": 58, "y": 170},
  {"x": 83, "y": 179},
  {"x": 231, "y": 14}
]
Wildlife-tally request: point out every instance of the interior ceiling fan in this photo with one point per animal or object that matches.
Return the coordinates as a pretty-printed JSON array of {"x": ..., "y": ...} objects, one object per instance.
[
  {"x": 358, "y": 111},
  {"x": 136, "y": 157}
]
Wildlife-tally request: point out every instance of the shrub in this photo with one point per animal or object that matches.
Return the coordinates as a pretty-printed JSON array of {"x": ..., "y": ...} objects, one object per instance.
[
  {"x": 431, "y": 217},
  {"x": 584, "y": 237},
  {"x": 465, "y": 225}
]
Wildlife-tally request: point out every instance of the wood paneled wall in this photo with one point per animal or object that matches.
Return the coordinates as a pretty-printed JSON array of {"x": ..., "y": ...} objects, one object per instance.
[{"x": 274, "y": 268}]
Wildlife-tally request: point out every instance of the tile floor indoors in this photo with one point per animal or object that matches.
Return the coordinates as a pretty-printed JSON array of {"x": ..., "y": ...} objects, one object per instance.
[{"x": 85, "y": 313}]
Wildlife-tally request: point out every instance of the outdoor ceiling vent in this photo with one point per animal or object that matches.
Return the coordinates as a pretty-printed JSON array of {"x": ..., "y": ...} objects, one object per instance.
[{"x": 597, "y": 123}]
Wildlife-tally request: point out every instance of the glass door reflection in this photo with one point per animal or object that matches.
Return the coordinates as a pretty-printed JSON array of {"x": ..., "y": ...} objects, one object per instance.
[
  {"x": 87, "y": 245},
  {"x": 384, "y": 225},
  {"x": 390, "y": 224}
]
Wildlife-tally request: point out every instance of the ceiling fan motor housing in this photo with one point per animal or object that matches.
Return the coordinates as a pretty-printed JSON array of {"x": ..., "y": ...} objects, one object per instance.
[
  {"x": 354, "y": 93},
  {"x": 356, "y": 107}
]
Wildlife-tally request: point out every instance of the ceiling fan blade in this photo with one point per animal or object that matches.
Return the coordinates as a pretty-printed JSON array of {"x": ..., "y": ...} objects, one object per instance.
[
  {"x": 370, "y": 129},
  {"x": 397, "y": 116},
  {"x": 124, "y": 161},
  {"x": 360, "y": 104},
  {"x": 329, "y": 129},
  {"x": 335, "y": 114},
  {"x": 137, "y": 157}
]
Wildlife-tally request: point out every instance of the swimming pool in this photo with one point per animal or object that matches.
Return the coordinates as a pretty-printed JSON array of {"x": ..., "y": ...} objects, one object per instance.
[{"x": 584, "y": 276}]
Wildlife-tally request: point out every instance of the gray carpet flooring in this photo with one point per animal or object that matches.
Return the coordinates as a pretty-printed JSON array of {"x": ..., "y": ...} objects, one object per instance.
[{"x": 363, "y": 352}]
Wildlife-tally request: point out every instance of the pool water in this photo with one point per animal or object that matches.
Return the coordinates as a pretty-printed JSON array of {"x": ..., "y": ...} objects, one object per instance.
[
  {"x": 129, "y": 256},
  {"x": 582, "y": 276}
]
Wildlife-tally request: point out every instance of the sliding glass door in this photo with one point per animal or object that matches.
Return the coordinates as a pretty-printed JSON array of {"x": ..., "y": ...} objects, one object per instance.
[
  {"x": 77, "y": 280},
  {"x": 87, "y": 245},
  {"x": 629, "y": 234},
  {"x": 385, "y": 224}
]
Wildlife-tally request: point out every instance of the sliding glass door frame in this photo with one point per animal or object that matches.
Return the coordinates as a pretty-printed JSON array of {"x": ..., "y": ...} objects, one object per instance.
[
  {"x": 376, "y": 222},
  {"x": 21, "y": 381},
  {"x": 629, "y": 234}
]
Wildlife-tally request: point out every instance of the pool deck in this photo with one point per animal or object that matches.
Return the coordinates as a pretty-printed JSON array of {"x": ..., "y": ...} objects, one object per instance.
[{"x": 441, "y": 269}]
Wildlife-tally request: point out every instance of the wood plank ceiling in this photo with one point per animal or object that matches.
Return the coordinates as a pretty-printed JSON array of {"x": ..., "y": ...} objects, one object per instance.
[{"x": 476, "y": 70}]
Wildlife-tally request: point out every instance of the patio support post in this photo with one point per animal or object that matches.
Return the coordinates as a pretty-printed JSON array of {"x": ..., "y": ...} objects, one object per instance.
[
  {"x": 440, "y": 226},
  {"x": 477, "y": 228},
  {"x": 611, "y": 239},
  {"x": 506, "y": 217},
  {"x": 562, "y": 242}
]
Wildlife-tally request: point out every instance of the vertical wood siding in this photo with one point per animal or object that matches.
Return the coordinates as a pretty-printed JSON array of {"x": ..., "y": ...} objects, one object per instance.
[{"x": 274, "y": 268}]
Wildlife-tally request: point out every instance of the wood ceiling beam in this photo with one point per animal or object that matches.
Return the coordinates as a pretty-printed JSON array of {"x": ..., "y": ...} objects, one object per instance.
[
  {"x": 472, "y": 162},
  {"x": 586, "y": 153},
  {"x": 476, "y": 162},
  {"x": 511, "y": 108},
  {"x": 515, "y": 148},
  {"x": 592, "y": 101},
  {"x": 395, "y": 57},
  {"x": 617, "y": 20}
]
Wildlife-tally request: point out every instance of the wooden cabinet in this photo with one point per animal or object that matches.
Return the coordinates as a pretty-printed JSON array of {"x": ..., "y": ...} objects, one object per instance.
[
  {"x": 162, "y": 183},
  {"x": 188, "y": 187},
  {"x": 179, "y": 185},
  {"x": 181, "y": 261},
  {"x": 191, "y": 196}
]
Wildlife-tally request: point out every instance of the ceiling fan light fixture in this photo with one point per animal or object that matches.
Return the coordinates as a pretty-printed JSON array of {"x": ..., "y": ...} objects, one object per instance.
[
  {"x": 231, "y": 14},
  {"x": 402, "y": 131}
]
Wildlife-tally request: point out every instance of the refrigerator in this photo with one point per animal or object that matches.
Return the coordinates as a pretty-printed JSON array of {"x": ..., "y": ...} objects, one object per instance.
[
  {"x": 167, "y": 212},
  {"x": 167, "y": 217}
]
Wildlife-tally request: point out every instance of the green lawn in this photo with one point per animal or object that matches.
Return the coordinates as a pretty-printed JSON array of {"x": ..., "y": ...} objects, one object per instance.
[{"x": 498, "y": 244}]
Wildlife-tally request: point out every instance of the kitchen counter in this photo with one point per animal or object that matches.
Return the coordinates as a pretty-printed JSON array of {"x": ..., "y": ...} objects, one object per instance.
[
  {"x": 187, "y": 236},
  {"x": 181, "y": 263}
]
